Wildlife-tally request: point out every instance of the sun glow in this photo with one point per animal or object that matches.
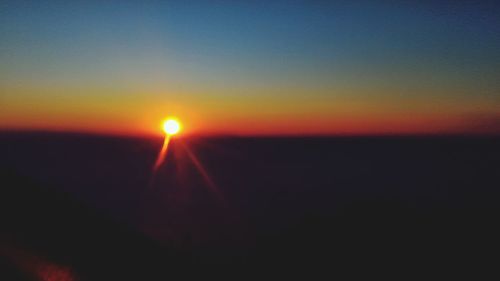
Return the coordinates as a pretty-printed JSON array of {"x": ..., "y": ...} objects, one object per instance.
[{"x": 171, "y": 127}]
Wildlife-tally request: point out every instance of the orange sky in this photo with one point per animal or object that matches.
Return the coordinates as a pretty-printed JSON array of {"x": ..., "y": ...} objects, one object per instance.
[{"x": 142, "y": 114}]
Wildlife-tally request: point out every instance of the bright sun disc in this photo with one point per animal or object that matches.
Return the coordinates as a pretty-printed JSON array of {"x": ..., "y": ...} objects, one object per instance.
[{"x": 171, "y": 127}]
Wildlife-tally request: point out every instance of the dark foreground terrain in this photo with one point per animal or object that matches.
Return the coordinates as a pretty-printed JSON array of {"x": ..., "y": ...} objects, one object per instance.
[{"x": 75, "y": 207}]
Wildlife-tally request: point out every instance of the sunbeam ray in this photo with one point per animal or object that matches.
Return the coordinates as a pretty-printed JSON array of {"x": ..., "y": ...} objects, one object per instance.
[
  {"x": 206, "y": 177},
  {"x": 163, "y": 152}
]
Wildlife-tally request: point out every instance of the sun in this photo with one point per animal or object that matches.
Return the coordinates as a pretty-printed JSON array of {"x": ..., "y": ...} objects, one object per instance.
[{"x": 171, "y": 126}]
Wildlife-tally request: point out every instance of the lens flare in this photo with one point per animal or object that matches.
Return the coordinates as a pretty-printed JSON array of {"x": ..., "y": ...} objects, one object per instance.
[
  {"x": 171, "y": 127},
  {"x": 206, "y": 177},
  {"x": 162, "y": 154}
]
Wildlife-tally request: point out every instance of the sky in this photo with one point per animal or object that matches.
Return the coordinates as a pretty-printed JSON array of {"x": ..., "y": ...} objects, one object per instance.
[{"x": 251, "y": 67}]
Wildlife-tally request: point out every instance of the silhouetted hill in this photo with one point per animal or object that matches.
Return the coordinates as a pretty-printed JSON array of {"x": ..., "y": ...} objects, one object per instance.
[{"x": 45, "y": 228}]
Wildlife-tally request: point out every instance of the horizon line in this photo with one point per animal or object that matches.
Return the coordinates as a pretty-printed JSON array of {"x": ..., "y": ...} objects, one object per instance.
[{"x": 235, "y": 135}]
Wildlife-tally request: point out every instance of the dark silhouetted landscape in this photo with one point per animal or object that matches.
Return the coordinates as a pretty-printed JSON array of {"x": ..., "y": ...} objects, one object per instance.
[{"x": 85, "y": 207}]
